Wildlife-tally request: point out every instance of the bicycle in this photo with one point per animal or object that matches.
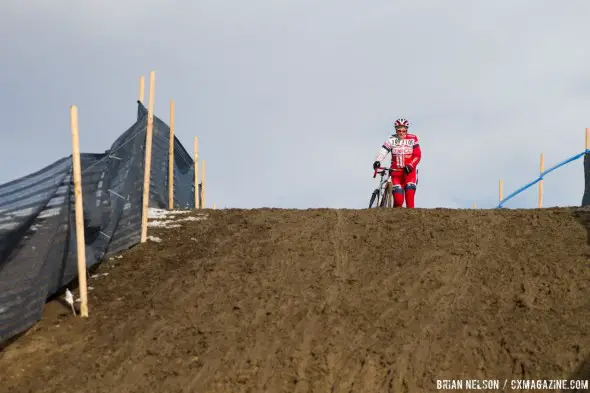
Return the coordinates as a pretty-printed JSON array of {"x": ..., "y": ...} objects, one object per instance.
[{"x": 383, "y": 193}]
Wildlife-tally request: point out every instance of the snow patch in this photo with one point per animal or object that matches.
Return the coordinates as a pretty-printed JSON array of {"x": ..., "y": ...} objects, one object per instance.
[
  {"x": 161, "y": 218},
  {"x": 155, "y": 213},
  {"x": 167, "y": 219},
  {"x": 163, "y": 224}
]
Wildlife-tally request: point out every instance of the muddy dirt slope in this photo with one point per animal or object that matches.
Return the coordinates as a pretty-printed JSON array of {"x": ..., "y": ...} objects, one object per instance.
[{"x": 324, "y": 301}]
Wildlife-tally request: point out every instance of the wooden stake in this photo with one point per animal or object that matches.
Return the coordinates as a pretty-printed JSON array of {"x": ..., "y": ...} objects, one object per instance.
[
  {"x": 541, "y": 168},
  {"x": 148, "y": 159},
  {"x": 141, "y": 88},
  {"x": 474, "y": 205},
  {"x": 171, "y": 160},
  {"x": 196, "y": 160},
  {"x": 500, "y": 189},
  {"x": 587, "y": 138},
  {"x": 203, "y": 186},
  {"x": 79, "y": 210},
  {"x": 214, "y": 206}
]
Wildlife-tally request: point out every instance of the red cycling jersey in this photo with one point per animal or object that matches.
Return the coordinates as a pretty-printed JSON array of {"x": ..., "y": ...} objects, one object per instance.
[{"x": 403, "y": 151}]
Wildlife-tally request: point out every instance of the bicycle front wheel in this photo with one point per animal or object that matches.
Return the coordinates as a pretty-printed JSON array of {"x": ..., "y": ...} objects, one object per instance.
[{"x": 374, "y": 199}]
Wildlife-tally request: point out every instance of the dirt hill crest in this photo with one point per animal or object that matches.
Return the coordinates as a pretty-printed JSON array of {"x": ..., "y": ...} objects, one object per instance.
[{"x": 322, "y": 300}]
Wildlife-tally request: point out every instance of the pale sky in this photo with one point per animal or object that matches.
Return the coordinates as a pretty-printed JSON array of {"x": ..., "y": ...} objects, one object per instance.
[{"x": 292, "y": 99}]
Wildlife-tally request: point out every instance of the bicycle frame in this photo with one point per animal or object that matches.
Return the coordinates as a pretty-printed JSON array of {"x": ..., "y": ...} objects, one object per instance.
[
  {"x": 382, "y": 187},
  {"x": 384, "y": 179}
]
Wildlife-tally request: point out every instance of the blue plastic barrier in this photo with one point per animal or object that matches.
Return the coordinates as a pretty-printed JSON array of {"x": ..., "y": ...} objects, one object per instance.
[{"x": 503, "y": 201}]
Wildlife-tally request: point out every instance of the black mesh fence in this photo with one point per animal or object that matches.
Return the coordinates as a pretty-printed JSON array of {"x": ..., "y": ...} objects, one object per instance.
[
  {"x": 586, "y": 197},
  {"x": 38, "y": 254}
]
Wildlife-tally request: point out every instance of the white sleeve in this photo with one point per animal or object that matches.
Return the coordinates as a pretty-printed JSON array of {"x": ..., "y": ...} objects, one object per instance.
[{"x": 384, "y": 150}]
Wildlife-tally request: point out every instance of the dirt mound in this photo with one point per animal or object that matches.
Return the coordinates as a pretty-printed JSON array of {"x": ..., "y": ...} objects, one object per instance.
[{"x": 325, "y": 301}]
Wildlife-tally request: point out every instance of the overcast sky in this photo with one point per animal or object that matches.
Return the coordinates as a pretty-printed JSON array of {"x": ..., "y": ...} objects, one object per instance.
[{"x": 292, "y": 99}]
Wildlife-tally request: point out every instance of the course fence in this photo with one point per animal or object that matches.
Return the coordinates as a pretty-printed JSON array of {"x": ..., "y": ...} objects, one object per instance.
[
  {"x": 586, "y": 196},
  {"x": 38, "y": 253},
  {"x": 543, "y": 172}
]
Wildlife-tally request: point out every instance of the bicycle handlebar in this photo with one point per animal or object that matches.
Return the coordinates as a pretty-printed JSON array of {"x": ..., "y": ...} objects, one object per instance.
[{"x": 383, "y": 171}]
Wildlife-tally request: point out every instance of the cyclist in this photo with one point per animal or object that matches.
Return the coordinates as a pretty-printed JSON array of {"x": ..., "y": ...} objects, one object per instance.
[{"x": 405, "y": 156}]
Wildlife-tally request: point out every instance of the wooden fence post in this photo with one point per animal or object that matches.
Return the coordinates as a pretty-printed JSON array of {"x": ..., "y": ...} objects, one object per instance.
[{"x": 148, "y": 159}]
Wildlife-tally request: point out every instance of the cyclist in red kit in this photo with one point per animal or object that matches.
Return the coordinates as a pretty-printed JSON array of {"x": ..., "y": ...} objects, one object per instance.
[{"x": 405, "y": 156}]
